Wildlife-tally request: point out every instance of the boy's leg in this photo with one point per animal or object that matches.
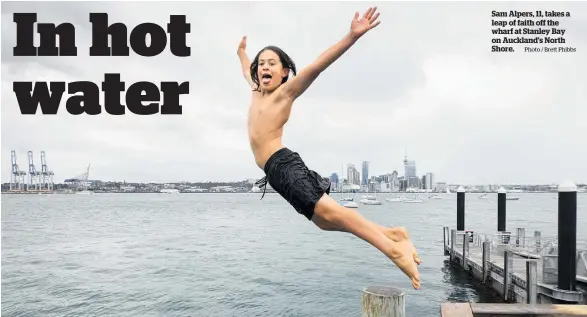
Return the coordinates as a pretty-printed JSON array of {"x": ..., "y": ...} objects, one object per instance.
[{"x": 393, "y": 242}]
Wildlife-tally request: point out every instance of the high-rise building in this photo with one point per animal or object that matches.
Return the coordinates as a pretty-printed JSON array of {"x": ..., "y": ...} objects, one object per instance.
[
  {"x": 409, "y": 170},
  {"x": 417, "y": 183},
  {"x": 394, "y": 177},
  {"x": 365, "y": 173},
  {"x": 412, "y": 181},
  {"x": 353, "y": 175},
  {"x": 334, "y": 180},
  {"x": 430, "y": 182},
  {"x": 395, "y": 185}
]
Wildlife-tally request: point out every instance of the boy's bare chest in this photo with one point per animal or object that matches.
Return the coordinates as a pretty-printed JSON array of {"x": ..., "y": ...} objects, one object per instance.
[{"x": 263, "y": 108}]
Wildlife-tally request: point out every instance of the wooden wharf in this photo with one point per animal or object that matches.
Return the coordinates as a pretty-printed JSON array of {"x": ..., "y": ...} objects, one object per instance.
[
  {"x": 535, "y": 276},
  {"x": 523, "y": 269}
]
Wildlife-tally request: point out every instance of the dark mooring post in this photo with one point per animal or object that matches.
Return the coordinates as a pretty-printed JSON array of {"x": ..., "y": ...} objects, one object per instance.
[
  {"x": 567, "y": 236},
  {"x": 461, "y": 209},
  {"x": 501, "y": 203}
]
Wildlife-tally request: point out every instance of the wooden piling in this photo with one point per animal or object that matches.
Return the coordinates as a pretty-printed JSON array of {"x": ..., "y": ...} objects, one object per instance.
[
  {"x": 453, "y": 237},
  {"x": 523, "y": 237},
  {"x": 537, "y": 239},
  {"x": 465, "y": 248},
  {"x": 531, "y": 282},
  {"x": 446, "y": 238},
  {"x": 485, "y": 260},
  {"x": 380, "y": 301},
  {"x": 507, "y": 270}
]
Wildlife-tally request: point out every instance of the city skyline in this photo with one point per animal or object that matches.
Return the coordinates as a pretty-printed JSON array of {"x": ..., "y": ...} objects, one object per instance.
[
  {"x": 463, "y": 113},
  {"x": 388, "y": 181},
  {"x": 23, "y": 166}
]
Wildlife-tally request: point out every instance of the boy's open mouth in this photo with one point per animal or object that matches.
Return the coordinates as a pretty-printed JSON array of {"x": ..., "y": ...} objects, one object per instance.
[{"x": 266, "y": 79}]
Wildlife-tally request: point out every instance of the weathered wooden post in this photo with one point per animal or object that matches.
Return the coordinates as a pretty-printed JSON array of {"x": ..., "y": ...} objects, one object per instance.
[
  {"x": 465, "y": 249},
  {"x": 567, "y": 236},
  {"x": 445, "y": 238},
  {"x": 508, "y": 261},
  {"x": 461, "y": 209},
  {"x": 453, "y": 238},
  {"x": 379, "y": 301},
  {"x": 520, "y": 237},
  {"x": 531, "y": 281},
  {"x": 537, "y": 238},
  {"x": 486, "y": 258}
]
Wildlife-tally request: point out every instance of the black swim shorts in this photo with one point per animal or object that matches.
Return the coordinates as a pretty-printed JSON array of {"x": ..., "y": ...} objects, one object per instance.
[{"x": 288, "y": 175}]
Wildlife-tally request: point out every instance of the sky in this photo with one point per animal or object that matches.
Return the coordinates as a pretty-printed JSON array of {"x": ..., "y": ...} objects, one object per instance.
[{"x": 423, "y": 82}]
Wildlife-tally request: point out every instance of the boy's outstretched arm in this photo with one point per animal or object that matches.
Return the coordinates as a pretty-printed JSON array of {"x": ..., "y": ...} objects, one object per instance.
[
  {"x": 245, "y": 61},
  {"x": 298, "y": 84}
]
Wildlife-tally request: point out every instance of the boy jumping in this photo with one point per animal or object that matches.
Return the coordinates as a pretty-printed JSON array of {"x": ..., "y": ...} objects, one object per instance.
[{"x": 305, "y": 190}]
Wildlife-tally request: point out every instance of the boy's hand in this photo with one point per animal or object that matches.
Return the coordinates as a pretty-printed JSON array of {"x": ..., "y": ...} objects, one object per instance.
[
  {"x": 242, "y": 46},
  {"x": 366, "y": 23}
]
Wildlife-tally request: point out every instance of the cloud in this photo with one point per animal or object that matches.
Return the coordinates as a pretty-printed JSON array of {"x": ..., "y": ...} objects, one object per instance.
[{"x": 424, "y": 81}]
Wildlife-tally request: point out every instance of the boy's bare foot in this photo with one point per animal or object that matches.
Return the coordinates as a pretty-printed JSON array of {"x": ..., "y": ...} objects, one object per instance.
[
  {"x": 393, "y": 242},
  {"x": 404, "y": 254}
]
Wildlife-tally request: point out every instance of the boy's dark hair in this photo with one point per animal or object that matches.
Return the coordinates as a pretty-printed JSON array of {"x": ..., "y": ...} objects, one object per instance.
[{"x": 285, "y": 60}]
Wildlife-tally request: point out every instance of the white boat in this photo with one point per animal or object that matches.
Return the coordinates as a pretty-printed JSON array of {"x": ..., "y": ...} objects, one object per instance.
[
  {"x": 395, "y": 199},
  {"x": 435, "y": 197},
  {"x": 348, "y": 198},
  {"x": 484, "y": 196},
  {"x": 350, "y": 204},
  {"x": 415, "y": 198},
  {"x": 371, "y": 202},
  {"x": 366, "y": 198},
  {"x": 169, "y": 191},
  {"x": 511, "y": 197},
  {"x": 84, "y": 192}
]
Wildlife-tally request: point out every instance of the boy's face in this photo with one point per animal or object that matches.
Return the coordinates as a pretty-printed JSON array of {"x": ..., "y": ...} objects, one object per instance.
[{"x": 270, "y": 71}]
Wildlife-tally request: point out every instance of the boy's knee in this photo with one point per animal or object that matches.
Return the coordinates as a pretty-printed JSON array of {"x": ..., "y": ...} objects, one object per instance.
[
  {"x": 327, "y": 214},
  {"x": 323, "y": 224},
  {"x": 325, "y": 221}
]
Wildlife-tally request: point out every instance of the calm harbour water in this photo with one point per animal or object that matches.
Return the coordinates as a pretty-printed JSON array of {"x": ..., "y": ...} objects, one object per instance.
[{"x": 229, "y": 254}]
